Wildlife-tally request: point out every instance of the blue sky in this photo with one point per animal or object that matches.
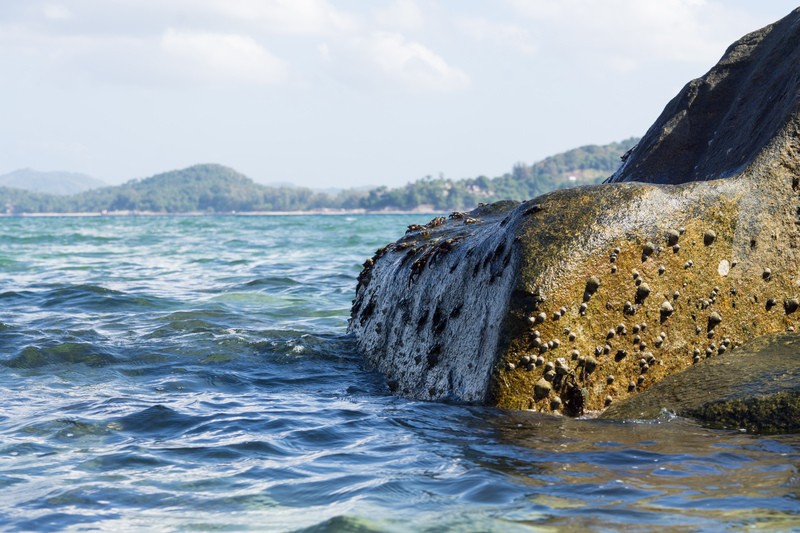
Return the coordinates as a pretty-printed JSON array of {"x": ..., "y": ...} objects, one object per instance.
[{"x": 341, "y": 93}]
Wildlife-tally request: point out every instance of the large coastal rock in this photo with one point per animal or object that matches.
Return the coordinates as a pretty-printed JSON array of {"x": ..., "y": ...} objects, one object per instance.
[{"x": 581, "y": 298}]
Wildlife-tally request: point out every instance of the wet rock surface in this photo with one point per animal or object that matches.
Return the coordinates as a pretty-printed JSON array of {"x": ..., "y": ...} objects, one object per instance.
[
  {"x": 756, "y": 388},
  {"x": 421, "y": 300},
  {"x": 629, "y": 280}
]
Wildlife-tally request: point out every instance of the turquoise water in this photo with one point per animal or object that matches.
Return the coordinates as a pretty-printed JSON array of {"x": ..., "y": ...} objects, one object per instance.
[{"x": 195, "y": 374}]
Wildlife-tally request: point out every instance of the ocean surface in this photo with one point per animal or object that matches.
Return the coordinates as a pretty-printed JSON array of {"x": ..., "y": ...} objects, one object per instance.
[{"x": 195, "y": 374}]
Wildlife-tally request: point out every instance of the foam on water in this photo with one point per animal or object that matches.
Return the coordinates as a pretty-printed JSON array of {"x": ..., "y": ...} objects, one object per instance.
[{"x": 194, "y": 373}]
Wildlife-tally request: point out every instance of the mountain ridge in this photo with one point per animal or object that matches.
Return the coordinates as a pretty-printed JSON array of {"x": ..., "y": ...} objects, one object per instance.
[
  {"x": 61, "y": 183},
  {"x": 214, "y": 188}
]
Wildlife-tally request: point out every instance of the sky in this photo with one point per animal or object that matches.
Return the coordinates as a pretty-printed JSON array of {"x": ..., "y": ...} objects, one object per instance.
[{"x": 343, "y": 93}]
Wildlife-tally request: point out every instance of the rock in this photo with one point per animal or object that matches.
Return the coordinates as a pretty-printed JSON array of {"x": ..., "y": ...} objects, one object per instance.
[
  {"x": 714, "y": 319},
  {"x": 592, "y": 284},
  {"x": 673, "y": 236},
  {"x": 739, "y": 104},
  {"x": 442, "y": 318},
  {"x": 642, "y": 292},
  {"x": 542, "y": 389},
  {"x": 756, "y": 387},
  {"x": 590, "y": 364}
]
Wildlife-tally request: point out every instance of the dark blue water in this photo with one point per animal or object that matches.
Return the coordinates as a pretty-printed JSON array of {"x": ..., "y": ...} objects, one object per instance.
[{"x": 194, "y": 374}]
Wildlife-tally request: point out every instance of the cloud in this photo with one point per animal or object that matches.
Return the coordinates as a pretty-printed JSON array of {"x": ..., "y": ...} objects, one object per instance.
[
  {"x": 412, "y": 64},
  {"x": 293, "y": 17},
  {"x": 176, "y": 58},
  {"x": 56, "y": 12},
  {"x": 624, "y": 34},
  {"x": 221, "y": 58},
  {"x": 401, "y": 15},
  {"x": 509, "y": 35},
  {"x": 324, "y": 52}
]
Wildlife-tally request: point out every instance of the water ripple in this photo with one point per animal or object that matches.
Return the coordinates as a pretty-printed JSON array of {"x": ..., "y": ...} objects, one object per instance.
[{"x": 193, "y": 373}]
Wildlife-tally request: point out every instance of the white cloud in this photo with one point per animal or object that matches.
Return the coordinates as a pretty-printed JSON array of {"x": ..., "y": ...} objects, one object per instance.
[
  {"x": 401, "y": 15},
  {"x": 412, "y": 64},
  {"x": 299, "y": 17},
  {"x": 627, "y": 33},
  {"x": 56, "y": 12},
  {"x": 324, "y": 52},
  {"x": 225, "y": 58},
  {"x": 509, "y": 35}
]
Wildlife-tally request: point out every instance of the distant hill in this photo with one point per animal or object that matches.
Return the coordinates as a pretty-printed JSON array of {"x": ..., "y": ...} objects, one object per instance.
[
  {"x": 60, "y": 183},
  {"x": 581, "y": 166},
  {"x": 208, "y": 188},
  {"x": 212, "y": 188}
]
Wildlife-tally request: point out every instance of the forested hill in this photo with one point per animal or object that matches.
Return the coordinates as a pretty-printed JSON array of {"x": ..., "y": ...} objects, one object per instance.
[
  {"x": 581, "y": 166},
  {"x": 200, "y": 188},
  {"x": 217, "y": 189}
]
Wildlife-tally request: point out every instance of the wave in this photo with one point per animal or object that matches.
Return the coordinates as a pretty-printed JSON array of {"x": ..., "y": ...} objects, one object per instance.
[
  {"x": 92, "y": 297},
  {"x": 60, "y": 354}
]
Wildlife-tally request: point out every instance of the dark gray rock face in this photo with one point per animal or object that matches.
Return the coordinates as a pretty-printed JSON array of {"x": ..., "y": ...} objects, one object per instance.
[
  {"x": 602, "y": 292},
  {"x": 438, "y": 338},
  {"x": 722, "y": 122}
]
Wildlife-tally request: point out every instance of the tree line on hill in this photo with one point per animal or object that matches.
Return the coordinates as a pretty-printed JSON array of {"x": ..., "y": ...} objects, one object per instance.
[{"x": 218, "y": 189}]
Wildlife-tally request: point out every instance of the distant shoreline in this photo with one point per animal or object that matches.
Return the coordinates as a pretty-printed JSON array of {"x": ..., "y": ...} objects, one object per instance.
[{"x": 230, "y": 213}]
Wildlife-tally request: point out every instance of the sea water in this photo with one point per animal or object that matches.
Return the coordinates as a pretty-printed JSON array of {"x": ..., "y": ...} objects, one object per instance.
[{"x": 168, "y": 373}]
